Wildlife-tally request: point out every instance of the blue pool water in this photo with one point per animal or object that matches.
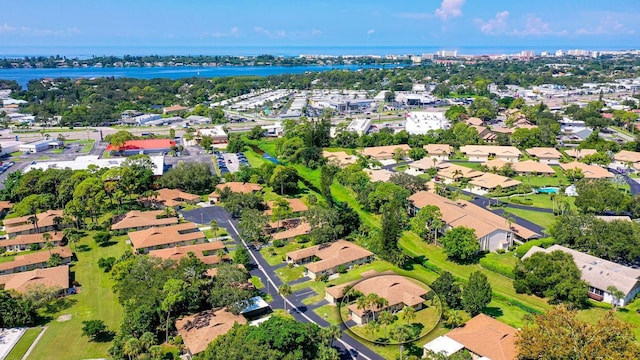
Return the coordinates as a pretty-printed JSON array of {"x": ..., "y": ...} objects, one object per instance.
[{"x": 548, "y": 190}]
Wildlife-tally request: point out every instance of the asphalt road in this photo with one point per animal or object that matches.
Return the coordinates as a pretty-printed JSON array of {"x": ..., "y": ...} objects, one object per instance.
[
  {"x": 635, "y": 186},
  {"x": 347, "y": 346}
]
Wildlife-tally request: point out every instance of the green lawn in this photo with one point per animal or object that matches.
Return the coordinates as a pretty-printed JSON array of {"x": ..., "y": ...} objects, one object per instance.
[
  {"x": 428, "y": 318},
  {"x": 329, "y": 313},
  {"x": 95, "y": 300},
  {"x": 539, "y": 200},
  {"x": 543, "y": 219},
  {"x": 274, "y": 255},
  {"x": 23, "y": 344},
  {"x": 288, "y": 274},
  {"x": 256, "y": 282},
  {"x": 210, "y": 235}
]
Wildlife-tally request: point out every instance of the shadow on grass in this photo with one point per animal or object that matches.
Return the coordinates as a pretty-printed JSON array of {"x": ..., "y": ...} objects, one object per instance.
[
  {"x": 59, "y": 305},
  {"x": 493, "y": 311},
  {"x": 83, "y": 248},
  {"x": 108, "y": 243}
]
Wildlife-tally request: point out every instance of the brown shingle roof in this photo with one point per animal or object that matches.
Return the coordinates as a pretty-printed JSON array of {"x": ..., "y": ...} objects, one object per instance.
[
  {"x": 57, "y": 277},
  {"x": 331, "y": 255},
  {"x": 178, "y": 252},
  {"x": 341, "y": 157},
  {"x": 395, "y": 288},
  {"x": 487, "y": 337},
  {"x": 200, "y": 329},
  {"x": 463, "y": 213},
  {"x": 296, "y": 206},
  {"x": 32, "y": 239},
  {"x": 22, "y": 223},
  {"x": 35, "y": 258},
  {"x": 379, "y": 175},
  {"x": 492, "y": 181},
  {"x": 136, "y": 218},
  {"x": 5, "y": 205},
  {"x": 467, "y": 173},
  {"x": 236, "y": 187},
  {"x": 156, "y": 236},
  {"x": 172, "y": 197},
  {"x": 303, "y": 228}
]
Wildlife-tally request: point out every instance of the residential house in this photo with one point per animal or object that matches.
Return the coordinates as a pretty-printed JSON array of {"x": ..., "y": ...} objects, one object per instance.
[
  {"x": 339, "y": 158},
  {"x": 54, "y": 277},
  {"x": 483, "y": 336},
  {"x": 5, "y": 206},
  {"x": 333, "y": 255},
  {"x": 527, "y": 167},
  {"x": 600, "y": 274},
  {"x": 627, "y": 159},
  {"x": 36, "y": 260},
  {"x": 399, "y": 291},
  {"x": 382, "y": 175},
  {"x": 25, "y": 242},
  {"x": 483, "y": 153},
  {"x": 301, "y": 228},
  {"x": 489, "y": 182},
  {"x": 154, "y": 238},
  {"x": 474, "y": 121},
  {"x": 206, "y": 252},
  {"x": 236, "y": 187},
  {"x": 426, "y": 163},
  {"x": 580, "y": 153},
  {"x": 589, "y": 171},
  {"x": 296, "y": 205},
  {"x": 199, "y": 330},
  {"x": 144, "y": 146},
  {"x": 384, "y": 152},
  {"x": 438, "y": 151},
  {"x": 485, "y": 134},
  {"x": 47, "y": 221},
  {"x": 455, "y": 172},
  {"x": 139, "y": 220},
  {"x": 545, "y": 155},
  {"x": 493, "y": 231},
  {"x": 173, "y": 198}
]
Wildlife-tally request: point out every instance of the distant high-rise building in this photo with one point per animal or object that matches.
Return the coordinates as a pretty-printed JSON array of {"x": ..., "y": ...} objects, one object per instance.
[
  {"x": 447, "y": 53},
  {"x": 559, "y": 53}
]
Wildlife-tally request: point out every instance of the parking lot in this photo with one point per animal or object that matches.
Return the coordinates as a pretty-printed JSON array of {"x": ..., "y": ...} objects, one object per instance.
[{"x": 230, "y": 162}]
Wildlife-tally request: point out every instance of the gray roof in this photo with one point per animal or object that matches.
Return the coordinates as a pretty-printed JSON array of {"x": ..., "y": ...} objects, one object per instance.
[{"x": 597, "y": 272}]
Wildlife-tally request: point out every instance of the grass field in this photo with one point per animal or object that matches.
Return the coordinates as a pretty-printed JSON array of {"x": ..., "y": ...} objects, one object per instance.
[
  {"x": 95, "y": 300},
  {"x": 288, "y": 274},
  {"x": 24, "y": 343},
  {"x": 543, "y": 219},
  {"x": 274, "y": 255}
]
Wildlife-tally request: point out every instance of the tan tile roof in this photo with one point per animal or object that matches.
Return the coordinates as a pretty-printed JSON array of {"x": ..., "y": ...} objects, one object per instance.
[
  {"x": 425, "y": 163},
  {"x": 302, "y": 229},
  {"x": 296, "y": 206},
  {"x": 199, "y": 250},
  {"x": 379, "y": 175},
  {"x": 236, "y": 187},
  {"x": 485, "y": 336},
  {"x": 502, "y": 130},
  {"x": 384, "y": 151},
  {"x": 156, "y": 236},
  {"x": 589, "y": 171},
  {"x": 580, "y": 153},
  {"x": 544, "y": 153},
  {"x": 528, "y": 166},
  {"x": 200, "y": 329},
  {"x": 395, "y": 288},
  {"x": 627, "y": 156},
  {"x": 331, "y": 255},
  {"x": 467, "y": 173},
  {"x": 137, "y": 218},
  {"x": 6, "y": 205},
  {"x": 597, "y": 272},
  {"x": 487, "y": 150},
  {"x": 438, "y": 149},
  {"x": 36, "y": 258},
  {"x": 50, "y": 277},
  {"x": 341, "y": 157},
  {"x": 474, "y": 121},
  {"x": 32, "y": 239},
  {"x": 492, "y": 181},
  {"x": 22, "y": 223},
  {"x": 173, "y": 197},
  {"x": 463, "y": 213}
]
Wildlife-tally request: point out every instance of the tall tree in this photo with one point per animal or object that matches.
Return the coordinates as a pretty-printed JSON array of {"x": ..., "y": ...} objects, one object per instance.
[
  {"x": 476, "y": 295},
  {"x": 448, "y": 290},
  {"x": 460, "y": 243},
  {"x": 174, "y": 293}
]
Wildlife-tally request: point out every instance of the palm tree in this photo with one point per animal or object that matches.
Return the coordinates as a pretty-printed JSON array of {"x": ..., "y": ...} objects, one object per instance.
[
  {"x": 386, "y": 318},
  {"x": 457, "y": 174},
  {"x": 46, "y": 237},
  {"x": 132, "y": 347},
  {"x": 147, "y": 340},
  {"x": 214, "y": 228},
  {"x": 331, "y": 333},
  {"x": 381, "y": 303},
  {"x": 408, "y": 313},
  {"x": 616, "y": 295},
  {"x": 57, "y": 222},
  {"x": 362, "y": 303},
  {"x": 401, "y": 334},
  {"x": 372, "y": 327},
  {"x": 285, "y": 290},
  {"x": 220, "y": 254},
  {"x": 372, "y": 299},
  {"x": 33, "y": 219}
]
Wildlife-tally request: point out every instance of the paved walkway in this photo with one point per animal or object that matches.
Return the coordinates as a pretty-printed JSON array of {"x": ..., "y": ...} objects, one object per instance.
[{"x": 35, "y": 342}]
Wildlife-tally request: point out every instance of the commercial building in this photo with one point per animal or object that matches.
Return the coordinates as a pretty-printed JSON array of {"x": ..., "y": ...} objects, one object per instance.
[
  {"x": 146, "y": 146},
  {"x": 39, "y": 146},
  {"x": 492, "y": 230},
  {"x": 84, "y": 162},
  {"x": 600, "y": 274},
  {"x": 216, "y": 133},
  {"x": 10, "y": 146},
  {"x": 341, "y": 253},
  {"x": 421, "y": 122},
  {"x": 359, "y": 126}
]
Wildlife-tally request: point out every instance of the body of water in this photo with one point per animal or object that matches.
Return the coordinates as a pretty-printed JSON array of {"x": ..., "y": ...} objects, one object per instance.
[{"x": 23, "y": 75}]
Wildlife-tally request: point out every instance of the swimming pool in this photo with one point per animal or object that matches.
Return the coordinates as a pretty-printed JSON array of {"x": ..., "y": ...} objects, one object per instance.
[{"x": 548, "y": 190}]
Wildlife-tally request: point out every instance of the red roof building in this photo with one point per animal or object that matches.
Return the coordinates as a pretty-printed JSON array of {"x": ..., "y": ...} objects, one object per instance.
[{"x": 145, "y": 146}]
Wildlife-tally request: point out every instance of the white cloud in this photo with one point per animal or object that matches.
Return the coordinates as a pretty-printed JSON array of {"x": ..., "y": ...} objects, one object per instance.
[
  {"x": 371, "y": 32},
  {"x": 535, "y": 26},
  {"x": 316, "y": 32},
  {"x": 294, "y": 34},
  {"x": 607, "y": 26},
  {"x": 233, "y": 32},
  {"x": 25, "y": 30},
  {"x": 497, "y": 25},
  {"x": 449, "y": 9},
  {"x": 273, "y": 34}
]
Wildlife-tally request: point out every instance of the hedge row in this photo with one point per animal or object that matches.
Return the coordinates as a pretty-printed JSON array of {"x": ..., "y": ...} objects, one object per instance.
[
  {"x": 492, "y": 264},
  {"x": 544, "y": 243}
]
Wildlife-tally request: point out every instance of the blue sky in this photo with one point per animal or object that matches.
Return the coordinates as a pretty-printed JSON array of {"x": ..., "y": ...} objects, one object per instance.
[{"x": 449, "y": 23}]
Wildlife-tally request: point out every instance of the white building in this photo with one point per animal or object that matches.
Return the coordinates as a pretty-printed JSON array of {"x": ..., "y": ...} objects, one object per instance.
[
  {"x": 217, "y": 134},
  {"x": 143, "y": 119},
  {"x": 83, "y": 163},
  {"x": 10, "y": 146},
  {"x": 420, "y": 122},
  {"x": 359, "y": 126},
  {"x": 38, "y": 146}
]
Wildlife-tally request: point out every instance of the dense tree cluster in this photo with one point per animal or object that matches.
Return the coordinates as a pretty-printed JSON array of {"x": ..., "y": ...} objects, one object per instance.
[
  {"x": 195, "y": 178},
  {"x": 16, "y": 311}
]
